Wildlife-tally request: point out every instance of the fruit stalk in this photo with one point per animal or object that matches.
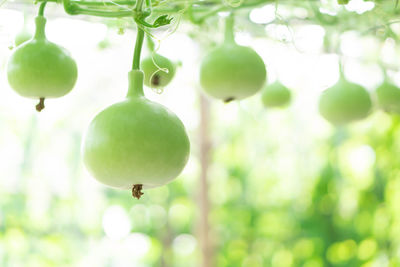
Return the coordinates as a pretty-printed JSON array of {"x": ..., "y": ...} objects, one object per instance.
[
  {"x": 229, "y": 25},
  {"x": 341, "y": 69},
  {"x": 150, "y": 43},
  {"x": 138, "y": 48},
  {"x": 135, "y": 84},
  {"x": 41, "y": 9},
  {"x": 139, "y": 39},
  {"x": 40, "y": 32},
  {"x": 148, "y": 3},
  {"x": 40, "y": 22}
]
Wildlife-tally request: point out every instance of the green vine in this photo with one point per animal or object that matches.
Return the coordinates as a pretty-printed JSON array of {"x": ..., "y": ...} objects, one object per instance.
[
  {"x": 198, "y": 11},
  {"x": 41, "y": 8},
  {"x": 138, "y": 48},
  {"x": 140, "y": 34}
]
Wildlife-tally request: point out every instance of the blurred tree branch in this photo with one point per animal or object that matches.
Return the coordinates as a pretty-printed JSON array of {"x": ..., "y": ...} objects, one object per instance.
[{"x": 205, "y": 150}]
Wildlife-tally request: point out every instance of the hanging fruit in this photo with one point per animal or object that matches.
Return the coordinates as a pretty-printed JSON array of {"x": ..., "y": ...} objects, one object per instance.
[
  {"x": 275, "y": 95},
  {"x": 230, "y": 71},
  {"x": 158, "y": 71},
  {"x": 136, "y": 144},
  {"x": 41, "y": 69},
  {"x": 345, "y": 102},
  {"x": 23, "y": 35},
  {"x": 388, "y": 96}
]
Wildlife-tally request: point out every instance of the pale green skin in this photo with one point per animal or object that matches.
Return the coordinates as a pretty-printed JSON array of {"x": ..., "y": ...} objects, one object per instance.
[
  {"x": 153, "y": 76},
  {"x": 389, "y": 97},
  {"x": 22, "y": 37},
  {"x": 136, "y": 142},
  {"x": 275, "y": 95},
  {"x": 232, "y": 72},
  {"x": 345, "y": 102},
  {"x": 41, "y": 69}
]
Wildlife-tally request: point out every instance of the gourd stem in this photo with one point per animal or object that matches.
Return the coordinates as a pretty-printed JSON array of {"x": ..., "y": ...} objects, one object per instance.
[
  {"x": 229, "y": 32},
  {"x": 139, "y": 5},
  {"x": 138, "y": 48},
  {"x": 139, "y": 39},
  {"x": 135, "y": 84},
  {"x": 40, "y": 22},
  {"x": 148, "y": 3},
  {"x": 41, "y": 8},
  {"x": 136, "y": 75},
  {"x": 150, "y": 43},
  {"x": 341, "y": 69}
]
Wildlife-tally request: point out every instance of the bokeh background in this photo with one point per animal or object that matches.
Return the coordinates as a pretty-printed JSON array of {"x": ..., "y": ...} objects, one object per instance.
[{"x": 262, "y": 187}]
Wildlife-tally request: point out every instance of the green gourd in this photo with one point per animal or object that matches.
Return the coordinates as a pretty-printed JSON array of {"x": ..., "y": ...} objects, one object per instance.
[
  {"x": 230, "y": 71},
  {"x": 388, "y": 96},
  {"x": 345, "y": 102},
  {"x": 41, "y": 69},
  {"x": 158, "y": 71},
  {"x": 275, "y": 95},
  {"x": 136, "y": 144}
]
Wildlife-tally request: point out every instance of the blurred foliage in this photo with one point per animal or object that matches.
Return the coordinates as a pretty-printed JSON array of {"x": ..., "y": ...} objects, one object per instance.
[
  {"x": 276, "y": 201},
  {"x": 341, "y": 215}
]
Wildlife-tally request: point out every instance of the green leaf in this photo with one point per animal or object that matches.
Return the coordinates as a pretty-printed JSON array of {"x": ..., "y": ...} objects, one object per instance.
[{"x": 162, "y": 21}]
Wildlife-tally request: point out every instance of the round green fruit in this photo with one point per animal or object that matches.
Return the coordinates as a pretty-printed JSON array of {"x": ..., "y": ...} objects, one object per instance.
[
  {"x": 22, "y": 37},
  {"x": 136, "y": 143},
  {"x": 345, "y": 102},
  {"x": 275, "y": 95},
  {"x": 41, "y": 69},
  {"x": 388, "y": 96},
  {"x": 158, "y": 71},
  {"x": 232, "y": 72}
]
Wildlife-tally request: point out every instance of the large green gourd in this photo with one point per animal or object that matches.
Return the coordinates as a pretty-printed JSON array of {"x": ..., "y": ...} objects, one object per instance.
[{"x": 136, "y": 143}]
